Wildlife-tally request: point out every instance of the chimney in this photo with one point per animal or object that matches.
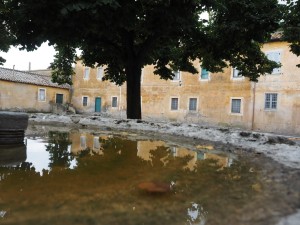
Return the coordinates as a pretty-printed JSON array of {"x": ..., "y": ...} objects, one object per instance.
[{"x": 29, "y": 66}]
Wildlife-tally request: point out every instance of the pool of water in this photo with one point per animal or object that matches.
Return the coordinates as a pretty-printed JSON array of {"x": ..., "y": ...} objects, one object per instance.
[{"x": 119, "y": 178}]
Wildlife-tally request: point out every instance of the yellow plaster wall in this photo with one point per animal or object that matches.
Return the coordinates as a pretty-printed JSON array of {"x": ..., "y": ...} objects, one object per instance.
[
  {"x": 286, "y": 118},
  {"x": 213, "y": 98},
  {"x": 93, "y": 88},
  {"x": 24, "y": 97}
]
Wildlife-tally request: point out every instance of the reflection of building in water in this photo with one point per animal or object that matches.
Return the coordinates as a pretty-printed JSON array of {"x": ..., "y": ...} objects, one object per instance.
[
  {"x": 82, "y": 141},
  {"x": 145, "y": 148},
  {"x": 222, "y": 161}
]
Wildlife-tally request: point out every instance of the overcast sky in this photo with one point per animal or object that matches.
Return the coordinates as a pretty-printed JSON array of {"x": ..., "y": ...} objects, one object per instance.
[{"x": 39, "y": 59}]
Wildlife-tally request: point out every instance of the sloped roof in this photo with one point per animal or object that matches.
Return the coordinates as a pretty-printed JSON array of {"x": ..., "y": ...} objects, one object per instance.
[
  {"x": 277, "y": 36},
  {"x": 28, "y": 78}
]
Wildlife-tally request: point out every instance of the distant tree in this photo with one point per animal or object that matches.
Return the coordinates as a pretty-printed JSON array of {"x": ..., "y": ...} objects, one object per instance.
[
  {"x": 5, "y": 38},
  {"x": 291, "y": 26},
  {"x": 126, "y": 35}
]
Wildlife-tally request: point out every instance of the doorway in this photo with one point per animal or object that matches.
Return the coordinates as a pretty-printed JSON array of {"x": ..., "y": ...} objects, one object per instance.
[{"x": 97, "y": 104}]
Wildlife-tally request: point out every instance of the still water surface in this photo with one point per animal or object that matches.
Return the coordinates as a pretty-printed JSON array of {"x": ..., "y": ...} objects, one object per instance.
[{"x": 88, "y": 178}]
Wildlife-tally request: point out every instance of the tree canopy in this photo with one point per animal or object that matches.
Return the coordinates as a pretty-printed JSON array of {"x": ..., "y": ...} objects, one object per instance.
[
  {"x": 126, "y": 35},
  {"x": 5, "y": 38},
  {"x": 291, "y": 26}
]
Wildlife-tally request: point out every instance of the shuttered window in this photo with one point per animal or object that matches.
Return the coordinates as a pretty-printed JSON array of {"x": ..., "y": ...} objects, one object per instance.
[{"x": 204, "y": 74}]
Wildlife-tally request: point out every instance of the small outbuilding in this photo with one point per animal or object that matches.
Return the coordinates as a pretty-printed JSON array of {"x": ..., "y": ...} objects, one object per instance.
[{"x": 31, "y": 92}]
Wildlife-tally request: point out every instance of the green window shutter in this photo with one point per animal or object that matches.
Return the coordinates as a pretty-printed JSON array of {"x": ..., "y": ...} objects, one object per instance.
[{"x": 204, "y": 73}]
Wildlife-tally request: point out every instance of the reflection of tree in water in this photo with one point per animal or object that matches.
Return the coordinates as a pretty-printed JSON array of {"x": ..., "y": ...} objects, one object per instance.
[
  {"x": 104, "y": 187},
  {"x": 205, "y": 189},
  {"x": 57, "y": 147}
]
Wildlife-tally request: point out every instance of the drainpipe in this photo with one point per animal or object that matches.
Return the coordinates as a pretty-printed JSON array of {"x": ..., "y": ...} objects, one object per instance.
[{"x": 253, "y": 106}]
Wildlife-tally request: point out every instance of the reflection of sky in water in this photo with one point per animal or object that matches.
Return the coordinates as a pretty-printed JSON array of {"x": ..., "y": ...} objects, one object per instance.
[
  {"x": 37, "y": 154},
  {"x": 39, "y": 157},
  {"x": 196, "y": 215}
]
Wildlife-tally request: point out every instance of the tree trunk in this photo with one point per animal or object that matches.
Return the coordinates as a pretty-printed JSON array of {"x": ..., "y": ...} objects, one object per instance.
[{"x": 133, "y": 73}]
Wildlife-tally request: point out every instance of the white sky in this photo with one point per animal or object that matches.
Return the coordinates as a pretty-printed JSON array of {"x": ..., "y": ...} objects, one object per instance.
[{"x": 39, "y": 59}]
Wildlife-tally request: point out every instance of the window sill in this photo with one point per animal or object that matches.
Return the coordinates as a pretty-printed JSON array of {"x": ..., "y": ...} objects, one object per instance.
[
  {"x": 237, "y": 78},
  {"x": 236, "y": 114},
  {"x": 204, "y": 80},
  {"x": 270, "y": 110},
  {"x": 274, "y": 74}
]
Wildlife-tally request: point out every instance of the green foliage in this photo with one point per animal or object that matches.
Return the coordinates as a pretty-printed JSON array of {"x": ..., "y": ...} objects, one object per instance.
[
  {"x": 291, "y": 26},
  {"x": 126, "y": 35},
  {"x": 62, "y": 65},
  {"x": 5, "y": 37},
  {"x": 114, "y": 32}
]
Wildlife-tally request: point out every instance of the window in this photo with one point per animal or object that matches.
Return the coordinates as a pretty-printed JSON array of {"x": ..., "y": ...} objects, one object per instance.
[
  {"x": 271, "y": 101},
  {"x": 176, "y": 75},
  {"x": 174, "y": 103},
  {"x": 114, "y": 102},
  {"x": 204, "y": 74},
  {"x": 42, "y": 95},
  {"x": 193, "y": 104},
  {"x": 82, "y": 142},
  {"x": 59, "y": 98},
  {"x": 235, "y": 73},
  {"x": 236, "y": 105},
  {"x": 96, "y": 143},
  {"x": 85, "y": 101},
  {"x": 276, "y": 57},
  {"x": 100, "y": 73},
  {"x": 174, "y": 151},
  {"x": 86, "y": 74}
]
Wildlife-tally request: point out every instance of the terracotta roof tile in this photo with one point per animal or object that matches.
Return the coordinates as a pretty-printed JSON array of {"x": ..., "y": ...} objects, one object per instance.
[{"x": 28, "y": 78}]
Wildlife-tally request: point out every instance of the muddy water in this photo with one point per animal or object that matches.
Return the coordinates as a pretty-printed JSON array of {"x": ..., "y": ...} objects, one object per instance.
[{"x": 100, "y": 178}]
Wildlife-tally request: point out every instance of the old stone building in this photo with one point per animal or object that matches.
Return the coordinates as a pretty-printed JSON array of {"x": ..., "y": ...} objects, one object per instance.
[
  {"x": 30, "y": 92},
  {"x": 92, "y": 95},
  {"x": 272, "y": 104}
]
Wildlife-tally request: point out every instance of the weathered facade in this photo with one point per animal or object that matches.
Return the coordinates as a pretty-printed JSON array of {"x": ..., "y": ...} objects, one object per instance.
[
  {"x": 277, "y": 95},
  {"x": 92, "y": 95},
  {"x": 272, "y": 104},
  {"x": 30, "y": 92}
]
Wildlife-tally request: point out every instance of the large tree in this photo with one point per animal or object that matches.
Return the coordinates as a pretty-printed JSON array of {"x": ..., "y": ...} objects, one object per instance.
[
  {"x": 5, "y": 37},
  {"x": 126, "y": 35},
  {"x": 291, "y": 26}
]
